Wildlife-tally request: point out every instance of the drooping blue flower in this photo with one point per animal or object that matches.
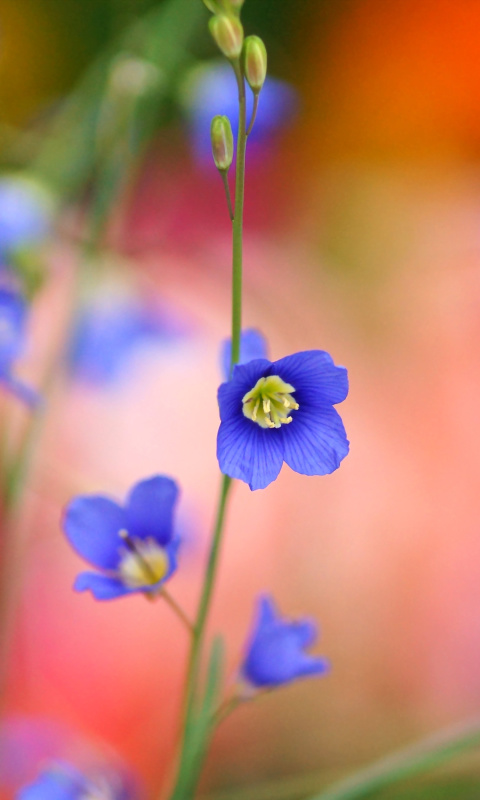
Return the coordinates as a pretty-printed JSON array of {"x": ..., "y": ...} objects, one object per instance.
[
  {"x": 282, "y": 411},
  {"x": 212, "y": 90},
  {"x": 134, "y": 545},
  {"x": 252, "y": 345},
  {"x": 13, "y": 315},
  {"x": 25, "y": 212},
  {"x": 61, "y": 781},
  {"x": 275, "y": 653},
  {"x": 109, "y": 334}
]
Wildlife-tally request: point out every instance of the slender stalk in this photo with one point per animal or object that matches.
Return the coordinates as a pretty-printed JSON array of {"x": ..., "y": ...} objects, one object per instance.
[
  {"x": 210, "y": 574},
  {"x": 237, "y": 226},
  {"x": 204, "y": 605},
  {"x": 254, "y": 113},
  {"x": 178, "y": 610},
  {"x": 224, "y": 176}
]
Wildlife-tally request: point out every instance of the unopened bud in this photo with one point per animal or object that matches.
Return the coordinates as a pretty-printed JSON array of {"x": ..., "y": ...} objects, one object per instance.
[
  {"x": 255, "y": 62},
  {"x": 228, "y": 34},
  {"x": 222, "y": 142}
]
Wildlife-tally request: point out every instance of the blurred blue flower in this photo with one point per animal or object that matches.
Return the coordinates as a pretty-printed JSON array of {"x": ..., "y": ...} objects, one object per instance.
[
  {"x": 107, "y": 337},
  {"x": 282, "y": 411},
  {"x": 133, "y": 545},
  {"x": 25, "y": 214},
  {"x": 212, "y": 89},
  {"x": 61, "y": 781},
  {"x": 276, "y": 650},
  {"x": 252, "y": 345},
  {"x": 13, "y": 314}
]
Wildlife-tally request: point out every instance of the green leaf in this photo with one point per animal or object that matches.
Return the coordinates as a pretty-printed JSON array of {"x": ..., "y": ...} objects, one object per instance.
[{"x": 430, "y": 752}]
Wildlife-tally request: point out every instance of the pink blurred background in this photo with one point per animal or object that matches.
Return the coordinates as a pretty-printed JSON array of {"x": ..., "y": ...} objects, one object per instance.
[{"x": 362, "y": 238}]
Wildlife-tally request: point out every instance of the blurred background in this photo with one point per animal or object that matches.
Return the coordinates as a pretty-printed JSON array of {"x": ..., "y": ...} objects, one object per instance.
[{"x": 362, "y": 237}]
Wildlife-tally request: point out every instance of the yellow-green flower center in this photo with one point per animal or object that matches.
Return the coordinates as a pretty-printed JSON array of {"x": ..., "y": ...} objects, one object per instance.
[
  {"x": 143, "y": 563},
  {"x": 270, "y": 402}
]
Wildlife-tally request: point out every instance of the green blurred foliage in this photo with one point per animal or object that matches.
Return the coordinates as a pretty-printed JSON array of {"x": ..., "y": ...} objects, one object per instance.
[{"x": 444, "y": 789}]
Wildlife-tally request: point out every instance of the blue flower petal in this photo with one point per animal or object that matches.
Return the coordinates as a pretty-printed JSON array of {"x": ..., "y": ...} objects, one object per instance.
[
  {"x": 13, "y": 312},
  {"x": 275, "y": 654},
  {"x": 107, "y": 337},
  {"x": 315, "y": 442},
  {"x": 267, "y": 612},
  {"x": 92, "y": 524},
  {"x": 248, "y": 452},
  {"x": 253, "y": 345},
  {"x": 149, "y": 509},
  {"x": 55, "y": 783},
  {"x": 102, "y": 587},
  {"x": 24, "y": 214},
  {"x": 24, "y": 393},
  {"x": 315, "y": 376},
  {"x": 244, "y": 378},
  {"x": 305, "y": 631},
  {"x": 172, "y": 552}
]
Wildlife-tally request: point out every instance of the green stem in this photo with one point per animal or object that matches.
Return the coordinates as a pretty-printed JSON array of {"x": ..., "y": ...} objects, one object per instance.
[
  {"x": 237, "y": 225},
  {"x": 224, "y": 176},
  {"x": 177, "y": 609},
  {"x": 254, "y": 113},
  {"x": 205, "y": 599},
  {"x": 209, "y": 582}
]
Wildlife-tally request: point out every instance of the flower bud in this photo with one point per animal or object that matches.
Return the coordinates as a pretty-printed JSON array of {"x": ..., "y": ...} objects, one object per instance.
[
  {"x": 222, "y": 142},
  {"x": 255, "y": 62},
  {"x": 228, "y": 34}
]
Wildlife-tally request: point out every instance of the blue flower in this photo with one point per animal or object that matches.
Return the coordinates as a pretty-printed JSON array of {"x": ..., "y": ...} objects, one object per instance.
[
  {"x": 252, "y": 345},
  {"x": 61, "y": 781},
  {"x": 212, "y": 89},
  {"x": 134, "y": 545},
  {"x": 282, "y": 411},
  {"x": 13, "y": 314},
  {"x": 24, "y": 214},
  {"x": 276, "y": 650},
  {"x": 107, "y": 336}
]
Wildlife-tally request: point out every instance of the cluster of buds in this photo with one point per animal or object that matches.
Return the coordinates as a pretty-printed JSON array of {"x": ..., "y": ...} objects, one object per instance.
[{"x": 248, "y": 55}]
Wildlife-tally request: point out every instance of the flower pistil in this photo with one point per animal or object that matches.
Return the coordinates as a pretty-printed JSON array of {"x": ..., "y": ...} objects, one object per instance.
[
  {"x": 269, "y": 402},
  {"x": 143, "y": 563}
]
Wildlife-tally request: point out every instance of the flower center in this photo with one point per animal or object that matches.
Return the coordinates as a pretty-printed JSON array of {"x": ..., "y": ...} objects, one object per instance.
[
  {"x": 95, "y": 793},
  {"x": 144, "y": 562},
  {"x": 269, "y": 402}
]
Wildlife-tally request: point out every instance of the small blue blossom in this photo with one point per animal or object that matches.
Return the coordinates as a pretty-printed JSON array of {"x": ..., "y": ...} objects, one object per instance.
[
  {"x": 282, "y": 411},
  {"x": 212, "y": 90},
  {"x": 25, "y": 211},
  {"x": 61, "y": 781},
  {"x": 13, "y": 315},
  {"x": 107, "y": 337},
  {"x": 133, "y": 545},
  {"x": 276, "y": 650},
  {"x": 252, "y": 345}
]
